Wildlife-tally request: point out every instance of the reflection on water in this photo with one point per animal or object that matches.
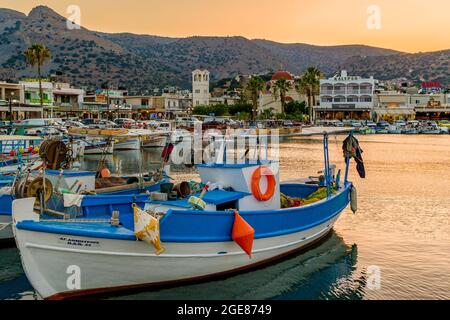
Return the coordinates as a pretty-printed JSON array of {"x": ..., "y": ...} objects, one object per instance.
[{"x": 402, "y": 227}]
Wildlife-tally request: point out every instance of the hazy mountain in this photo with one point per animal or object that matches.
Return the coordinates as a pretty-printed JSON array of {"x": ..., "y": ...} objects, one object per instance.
[
  {"x": 428, "y": 66},
  {"x": 141, "y": 62},
  {"x": 297, "y": 57}
]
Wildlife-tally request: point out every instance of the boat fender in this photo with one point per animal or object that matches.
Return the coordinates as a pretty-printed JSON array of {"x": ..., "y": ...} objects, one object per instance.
[
  {"x": 271, "y": 183},
  {"x": 243, "y": 234},
  {"x": 354, "y": 199}
]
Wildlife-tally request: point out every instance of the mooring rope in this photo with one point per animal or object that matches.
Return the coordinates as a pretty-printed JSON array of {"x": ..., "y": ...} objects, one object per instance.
[
  {"x": 76, "y": 220},
  {"x": 5, "y": 225}
]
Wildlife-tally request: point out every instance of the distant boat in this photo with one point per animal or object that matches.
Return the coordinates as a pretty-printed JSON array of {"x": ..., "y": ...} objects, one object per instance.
[
  {"x": 154, "y": 141},
  {"x": 122, "y": 144},
  {"x": 93, "y": 146}
]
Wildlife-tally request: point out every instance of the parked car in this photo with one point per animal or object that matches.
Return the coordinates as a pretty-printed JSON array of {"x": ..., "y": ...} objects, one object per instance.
[
  {"x": 444, "y": 123},
  {"x": 288, "y": 124},
  {"x": 74, "y": 124},
  {"x": 400, "y": 123},
  {"x": 103, "y": 124},
  {"x": 383, "y": 124},
  {"x": 88, "y": 122},
  {"x": 124, "y": 122},
  {"x": 42, "y": 126},
  {"x": 355, "y": 124}
]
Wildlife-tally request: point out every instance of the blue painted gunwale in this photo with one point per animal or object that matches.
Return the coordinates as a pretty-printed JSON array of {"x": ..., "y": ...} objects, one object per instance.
[
  {"x": 197, "y": 227},
  {"x": 70, "y": 173},
  {"x": 6, "y": 204},
  {"x": 235, "y": 165},
  {"x": 91, "y": 201}
]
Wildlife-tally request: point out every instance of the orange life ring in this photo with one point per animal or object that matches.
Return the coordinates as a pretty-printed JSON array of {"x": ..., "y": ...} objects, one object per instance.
[{"x": 271, "y": 183}]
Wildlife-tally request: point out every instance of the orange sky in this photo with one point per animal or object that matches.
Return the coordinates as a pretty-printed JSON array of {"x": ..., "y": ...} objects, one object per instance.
[{"x": 406, "y": 25}]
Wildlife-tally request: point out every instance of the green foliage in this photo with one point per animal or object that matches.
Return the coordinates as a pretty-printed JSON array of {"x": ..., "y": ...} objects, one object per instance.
[
  {"x": 267, "y": 114},
  {"x": 219, "y": 110},
  {"x": 240, "y": 108},
  {"x": 244, "y": 116},
  {"x": 295, "y": 107}
]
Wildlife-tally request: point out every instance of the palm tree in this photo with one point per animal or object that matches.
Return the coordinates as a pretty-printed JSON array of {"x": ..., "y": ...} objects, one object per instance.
[
  {"x": 309, "y": 84},
  {"x": 268, "y": 114},
  {"x": 281, "y": 88},
  {"x": 37, "y": 55},
  {"x": 254, "y": 86}
]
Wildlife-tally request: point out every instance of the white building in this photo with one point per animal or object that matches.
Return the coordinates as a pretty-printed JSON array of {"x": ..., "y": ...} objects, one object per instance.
[
  {"x": 346, "y": 97},
  {"x": 66, "y": 96},
  {"x": 30, "y": 93},
  {"x": 200, "y": 87}
]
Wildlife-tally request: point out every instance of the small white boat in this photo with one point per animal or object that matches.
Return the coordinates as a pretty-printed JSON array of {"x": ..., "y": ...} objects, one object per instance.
[
  {"x": 123, "y": 144},
  {"x": 154, "y": 141},
  {"x": 98, "y": 147}
]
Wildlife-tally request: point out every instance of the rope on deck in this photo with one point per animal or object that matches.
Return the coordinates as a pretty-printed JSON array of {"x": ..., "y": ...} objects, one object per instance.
[
  {"x": 5, "y": 225},
  {"x": 76, "y": 220}
]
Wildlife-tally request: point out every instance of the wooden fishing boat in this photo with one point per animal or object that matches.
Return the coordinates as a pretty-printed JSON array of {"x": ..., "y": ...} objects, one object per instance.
[
  {"x": 219, "y": 232},
  {"x": 28, "y": 182}
]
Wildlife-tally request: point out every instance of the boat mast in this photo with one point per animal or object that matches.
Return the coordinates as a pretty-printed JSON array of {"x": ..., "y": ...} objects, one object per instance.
[{"x": 327, "y": 164}]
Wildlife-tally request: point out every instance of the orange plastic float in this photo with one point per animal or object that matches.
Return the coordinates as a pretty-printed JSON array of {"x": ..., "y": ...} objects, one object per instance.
[
  {"x": 105, "y": 173},
  {"x": 243, "y": 234},
  {"x": 271, "y": 184}
]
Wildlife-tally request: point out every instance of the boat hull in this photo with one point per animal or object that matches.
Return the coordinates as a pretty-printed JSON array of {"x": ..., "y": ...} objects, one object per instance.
[
  {"x": 130, "y": 144},
  {"x": 198, "y": 246},
  {"x": 154, "y": 142},
  {"x": 116, "y": 265},
  {"x": 98, "y": 149}
]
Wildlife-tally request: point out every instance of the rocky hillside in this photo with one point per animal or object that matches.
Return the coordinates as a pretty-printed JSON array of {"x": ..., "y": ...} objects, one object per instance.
[
  {"x": 80, "y": 56},
  {"x": 141, "y": 62},
  {"x": 297, "y": 57},
  {"x": 433, "y": 66}
]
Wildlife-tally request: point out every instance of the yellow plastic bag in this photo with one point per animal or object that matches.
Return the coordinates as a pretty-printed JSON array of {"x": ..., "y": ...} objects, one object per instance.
[{"x": 146, "y": 228}]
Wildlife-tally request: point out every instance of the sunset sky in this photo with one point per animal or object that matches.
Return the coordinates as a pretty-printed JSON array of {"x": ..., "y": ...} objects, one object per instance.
[{"x": 406, "y": 25}]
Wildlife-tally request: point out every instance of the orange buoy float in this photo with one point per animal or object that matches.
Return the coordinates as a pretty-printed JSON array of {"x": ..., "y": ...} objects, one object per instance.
[
  {"x": 243, "y": 234},
  {"x": 105, "y": 173},
  {"x": 271, "y": 183}
]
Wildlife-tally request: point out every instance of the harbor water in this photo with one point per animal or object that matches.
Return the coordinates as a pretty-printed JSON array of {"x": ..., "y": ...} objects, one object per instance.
[{"x": 396, "y": 247}]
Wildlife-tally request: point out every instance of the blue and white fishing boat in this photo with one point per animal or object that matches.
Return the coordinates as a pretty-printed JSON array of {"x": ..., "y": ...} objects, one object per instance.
[
  {"x": 15, "y": 152},
  {"x": 71, "y": 185},
  {"x": 226, "y": 230}
]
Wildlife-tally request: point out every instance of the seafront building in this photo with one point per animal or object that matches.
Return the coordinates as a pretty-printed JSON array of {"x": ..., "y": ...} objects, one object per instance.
[
  {"x": 11, "y": 96},
  {"x": 341, "y": 97},
  {"x": 346, "y": 97},
  {"x": 353, "y": 97}
]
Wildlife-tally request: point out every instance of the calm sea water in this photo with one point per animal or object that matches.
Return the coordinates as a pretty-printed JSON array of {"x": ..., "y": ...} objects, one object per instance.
[{"x": 402, "y": 228}]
